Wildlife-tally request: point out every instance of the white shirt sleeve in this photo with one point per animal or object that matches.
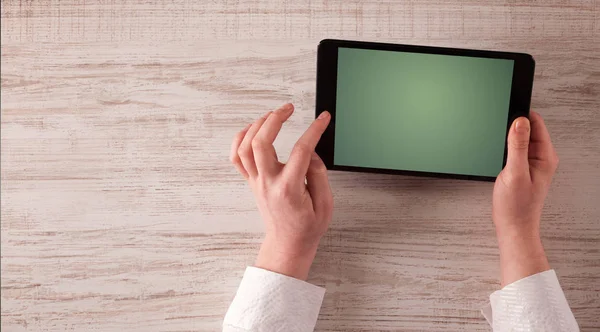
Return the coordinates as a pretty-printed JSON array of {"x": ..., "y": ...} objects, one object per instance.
[
  {"x": 534, "y": 303},
  {"x": 268, "y": 301}
]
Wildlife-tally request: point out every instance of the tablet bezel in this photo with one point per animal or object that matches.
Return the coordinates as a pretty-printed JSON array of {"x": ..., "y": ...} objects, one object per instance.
[{"x": 327, "y": 56}]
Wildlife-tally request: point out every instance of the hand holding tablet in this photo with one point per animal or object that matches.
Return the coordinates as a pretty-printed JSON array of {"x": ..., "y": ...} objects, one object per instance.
[{"x": 419, "y": 110}]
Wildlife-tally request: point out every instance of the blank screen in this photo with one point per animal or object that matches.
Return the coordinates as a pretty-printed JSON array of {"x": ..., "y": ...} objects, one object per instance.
[{"x": 421, "y": 112}]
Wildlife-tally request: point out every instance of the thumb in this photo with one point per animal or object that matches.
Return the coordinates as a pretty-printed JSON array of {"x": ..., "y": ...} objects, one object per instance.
[
  {"x": 318, "y": 187},
  {"x": 517, "y": 161}
]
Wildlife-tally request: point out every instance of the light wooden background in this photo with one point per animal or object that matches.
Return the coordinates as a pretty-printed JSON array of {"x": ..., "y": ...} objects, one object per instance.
[{"x": 120, "y": 211}]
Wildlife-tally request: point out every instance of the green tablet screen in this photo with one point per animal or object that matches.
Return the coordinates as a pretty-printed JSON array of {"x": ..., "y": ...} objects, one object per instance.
[{"x": 421, "y": 112}]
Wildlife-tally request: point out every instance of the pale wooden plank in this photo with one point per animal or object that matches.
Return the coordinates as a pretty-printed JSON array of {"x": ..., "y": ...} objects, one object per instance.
[
  {"x": 121, "y": 212},
  {"x": 60, "y": 21}
]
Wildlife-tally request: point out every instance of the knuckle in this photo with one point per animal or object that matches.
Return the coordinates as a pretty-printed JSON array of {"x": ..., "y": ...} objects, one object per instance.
[
  {"x": 243, "y": 150},
  {"x": 257, "y": 143},
  {"x": 279, "y": 194},
  {"x": 302, "y": 149},
  {"x": 283, "y": 191}
]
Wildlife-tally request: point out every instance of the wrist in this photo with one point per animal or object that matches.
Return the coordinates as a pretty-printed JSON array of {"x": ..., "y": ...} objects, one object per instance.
[
  {"x": 521, "y": 255},
  {"x": 286, "y": 259}
]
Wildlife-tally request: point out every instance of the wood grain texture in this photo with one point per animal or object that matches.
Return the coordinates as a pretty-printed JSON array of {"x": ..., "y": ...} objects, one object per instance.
[{"x": 121, "y": 212}]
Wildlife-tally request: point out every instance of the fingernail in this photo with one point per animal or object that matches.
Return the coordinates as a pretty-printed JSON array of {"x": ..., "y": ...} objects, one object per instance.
[
  {"x": 522, "y": 125},
  {"x": 323, "y": 115},
  {"x": 267, "y": 115},
  {"x": 285, "y": 109}
]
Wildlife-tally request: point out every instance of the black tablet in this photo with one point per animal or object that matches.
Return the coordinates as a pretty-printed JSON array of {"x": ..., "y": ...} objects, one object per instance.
[{"x": 419, "y": 110}]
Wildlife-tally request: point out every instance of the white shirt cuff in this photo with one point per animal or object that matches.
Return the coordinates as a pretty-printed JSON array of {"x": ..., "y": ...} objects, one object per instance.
[
  {"x": 268, "y": 301},
  {"x": 534, "y": 303}
]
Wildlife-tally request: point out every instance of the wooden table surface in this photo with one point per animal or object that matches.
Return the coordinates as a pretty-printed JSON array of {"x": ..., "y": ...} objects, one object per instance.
[{"x": 121, "y": 212}]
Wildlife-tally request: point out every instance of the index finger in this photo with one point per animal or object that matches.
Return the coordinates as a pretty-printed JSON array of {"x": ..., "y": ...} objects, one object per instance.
[
  {"x": 539, "y": 132},
  {"x": 299, "y": 161},
  {"x": 541, "y": 147}
]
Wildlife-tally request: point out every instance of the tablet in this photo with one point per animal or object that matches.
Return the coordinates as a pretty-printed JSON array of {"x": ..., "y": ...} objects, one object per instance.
[{"x": 418, "y": 110}]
